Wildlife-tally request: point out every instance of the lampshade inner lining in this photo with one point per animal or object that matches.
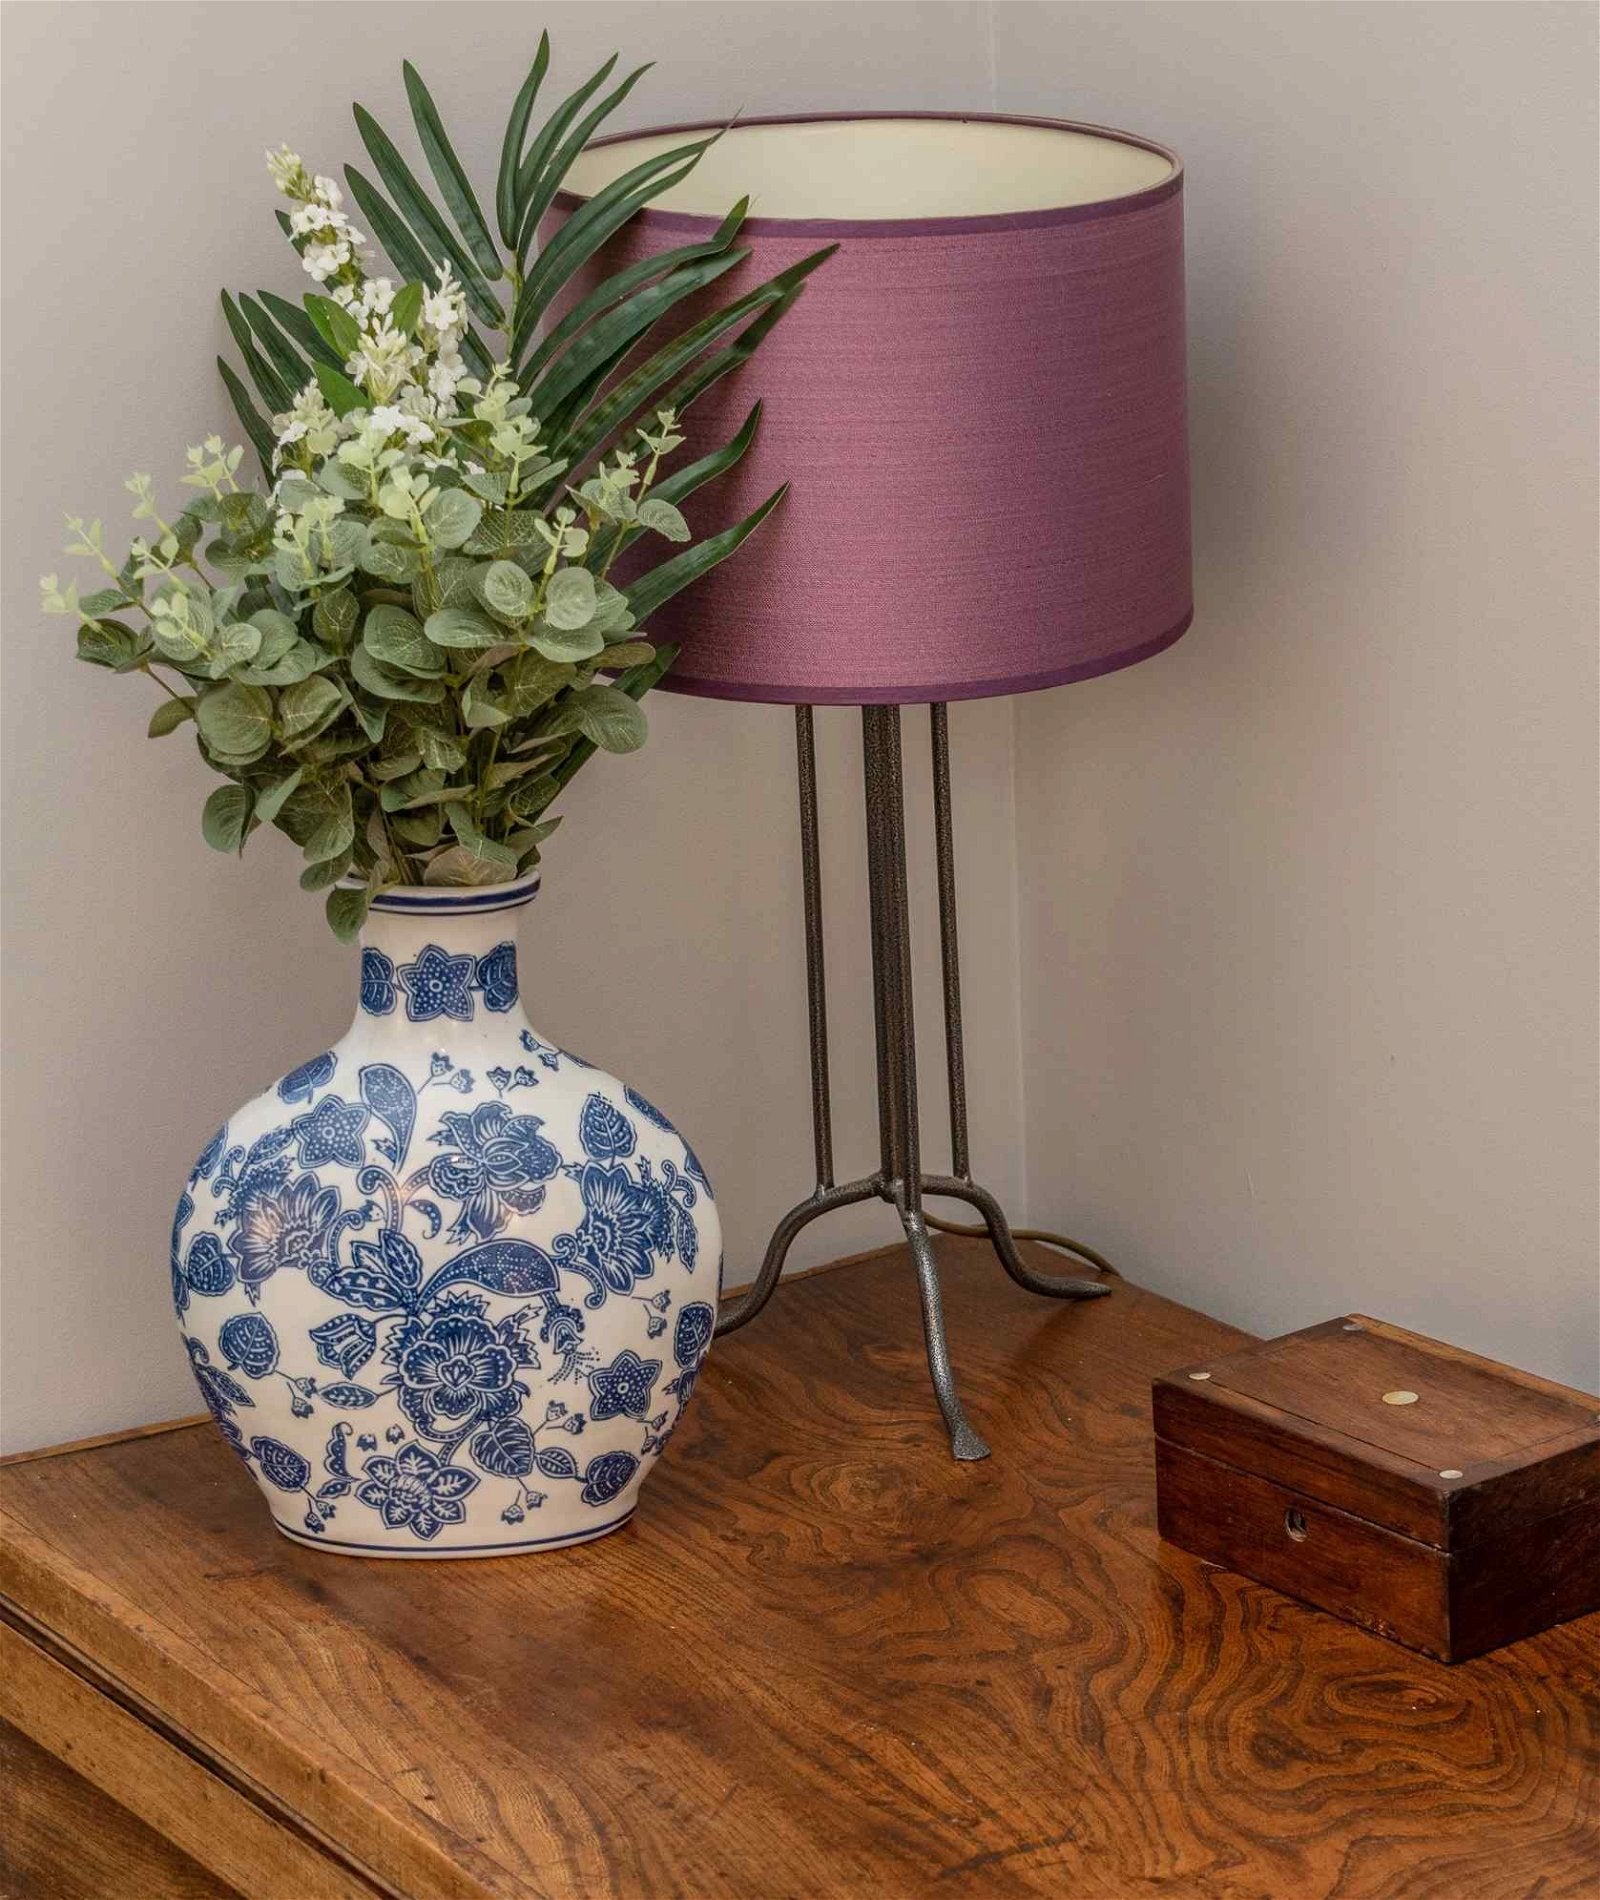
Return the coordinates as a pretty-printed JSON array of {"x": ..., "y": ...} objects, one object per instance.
[{"x": 866, "y": 169}]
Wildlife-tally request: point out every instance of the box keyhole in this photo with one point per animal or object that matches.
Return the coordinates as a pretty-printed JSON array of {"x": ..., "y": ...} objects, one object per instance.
[{"x": 1295, "y": 1524}]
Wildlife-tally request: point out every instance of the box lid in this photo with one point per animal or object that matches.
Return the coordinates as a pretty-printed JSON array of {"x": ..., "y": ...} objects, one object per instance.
[{"x": 1394, "y": 1428}]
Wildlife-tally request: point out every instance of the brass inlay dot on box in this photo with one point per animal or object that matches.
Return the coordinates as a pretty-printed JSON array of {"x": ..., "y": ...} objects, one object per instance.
[
  {"x": 1451, "y": 1473},
  {"x": 1399, "y": 1398},
  {"x": 1199, "y": 1375}
]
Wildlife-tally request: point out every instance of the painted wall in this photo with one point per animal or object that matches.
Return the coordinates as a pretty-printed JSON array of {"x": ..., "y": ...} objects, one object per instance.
[
  {"x": 1309, "y": 902},
  {"x": 1302, "y": 936}
]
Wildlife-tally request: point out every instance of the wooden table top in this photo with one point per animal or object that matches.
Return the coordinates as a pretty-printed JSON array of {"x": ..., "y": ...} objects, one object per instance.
[{"x": 824, "y": 1659}]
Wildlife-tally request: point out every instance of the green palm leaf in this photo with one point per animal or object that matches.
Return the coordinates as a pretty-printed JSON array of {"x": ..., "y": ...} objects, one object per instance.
[
  {"x": 270, "y": 386},
  {"x": 294, "y": 323},
  {"x": 714, "y": 367},
  {"x": 532, "y": 197},
  {"x": 251, "y": 420},
  {"x": 452, "y": 180},
  {"x": 589, "y": 227},
  {"x": 505, "y": 196},
  {"x": 624, "y": 283},
  {"x": 655, "y": 374},
  {"x": 608, "y": 340},
  {"x": 656, "y": 588},
  {"x": 429, "y": 229},
  {"x": 281, "y": 353}
]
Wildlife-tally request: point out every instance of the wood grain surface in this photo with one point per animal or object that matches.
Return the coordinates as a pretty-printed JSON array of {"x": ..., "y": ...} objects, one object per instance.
[
  {"x": 826, "y": 1660},
  {"x": 62, "y": 1839}
]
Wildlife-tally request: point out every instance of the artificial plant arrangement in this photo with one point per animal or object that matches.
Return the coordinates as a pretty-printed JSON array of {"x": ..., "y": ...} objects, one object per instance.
[{"x": 402, "y": 647}]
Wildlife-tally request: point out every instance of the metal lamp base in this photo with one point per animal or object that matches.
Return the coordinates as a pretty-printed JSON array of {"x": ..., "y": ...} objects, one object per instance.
[{"x": 899, "y": 1178}]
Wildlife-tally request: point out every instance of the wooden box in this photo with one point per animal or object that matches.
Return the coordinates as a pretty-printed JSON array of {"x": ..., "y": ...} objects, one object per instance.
[{"x": 1436, "y": 1498}]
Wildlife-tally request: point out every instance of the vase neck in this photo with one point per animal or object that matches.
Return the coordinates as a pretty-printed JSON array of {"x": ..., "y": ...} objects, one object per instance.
[{"x": 436, "y": 963}]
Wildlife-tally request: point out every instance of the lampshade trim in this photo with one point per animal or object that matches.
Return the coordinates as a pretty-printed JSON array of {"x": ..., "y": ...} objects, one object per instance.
[
  {"x": 926, "y": 695},
  {"x": 696, "y": 222}
]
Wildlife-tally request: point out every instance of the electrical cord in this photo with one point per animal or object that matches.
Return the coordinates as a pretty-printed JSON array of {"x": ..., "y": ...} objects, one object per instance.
[{"x": 1040, "y": 1234}]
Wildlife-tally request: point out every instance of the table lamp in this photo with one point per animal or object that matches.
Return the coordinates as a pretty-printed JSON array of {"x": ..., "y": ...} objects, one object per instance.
[{"x": 979, "y": 404}]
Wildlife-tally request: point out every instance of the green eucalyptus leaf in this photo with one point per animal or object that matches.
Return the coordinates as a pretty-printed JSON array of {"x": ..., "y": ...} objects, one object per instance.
[
  {"x": 506, "y": 530},
  {"x": 233, "y": 645},
  {"x": 418, "y": 827},
  {"x": 461, "y": 627},
  {"x": 109, "y": 643},
  {"x": 347, "y": 911},
  {"x": 452, "y": 517},
  {"x": 302, "y": 660},
  {"x": 419, "y": 788},
  {"x": 333, "y": 478},
  {"x": 532, "y": 680},
  {"x": 105, "y": 600},
  {"x": 480, "y": 708},
  {"x": 440, "y": 751},
  {"x": 334, "y": 618},
  {"x": 489, "y": 485},
  {"x": 531, "y": 797},
  {"x": 278, "y": 634},
  {"x": 271, "y": 801},
  {"x": 506, "y": 590},
  {"x": 305, "y": 709},
  {"x": 608, "y": 718},
  {"x": 664, "y": 518},
  {"x": 169, "y": 715},
  {"x": 626, "y": 653},
  {"x": 386, "y": 560},
  {"x": 317, "y": 877},
  {"x": 225, "y": 821},
  {"x": 335, "y": 830},
  {"x": 396, "y": 638},
  {"x": 569, "y": 599},
  {"x": 464, "y": 864},
  {"x": 387, "y": 683},
  {"x": 581, "y": 643},
  {"x": 401, "y": 766},
  {"x": 235, "y": 720}
]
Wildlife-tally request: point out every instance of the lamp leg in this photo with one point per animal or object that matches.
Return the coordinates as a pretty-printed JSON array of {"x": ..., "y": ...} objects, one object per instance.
[
  {"x": 897, "y": 1049},
  {"x": 900, "y": 1179}
]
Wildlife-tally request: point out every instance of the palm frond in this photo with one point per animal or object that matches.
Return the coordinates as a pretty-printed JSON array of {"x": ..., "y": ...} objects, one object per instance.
[
  {"x": 448, "y": 173},
  {"x": 505, "y": 196},
  {"x": 429, "y": 229}
]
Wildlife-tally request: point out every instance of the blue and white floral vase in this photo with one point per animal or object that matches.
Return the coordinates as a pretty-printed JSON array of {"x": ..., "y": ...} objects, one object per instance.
[{"x": 446, "y": 1288}]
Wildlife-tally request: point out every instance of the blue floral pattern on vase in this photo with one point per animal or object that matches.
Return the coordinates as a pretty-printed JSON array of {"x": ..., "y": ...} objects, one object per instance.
[
  {"x": 385, "y": 1237},
  {"x": 494, "y": 1163},
  {"x": 497, "y": 978},
  {"x": 377, "y": 983}
]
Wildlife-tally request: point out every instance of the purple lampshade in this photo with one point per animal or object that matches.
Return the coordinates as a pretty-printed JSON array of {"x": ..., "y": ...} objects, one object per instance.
[{"x": 978, "y": 403}]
